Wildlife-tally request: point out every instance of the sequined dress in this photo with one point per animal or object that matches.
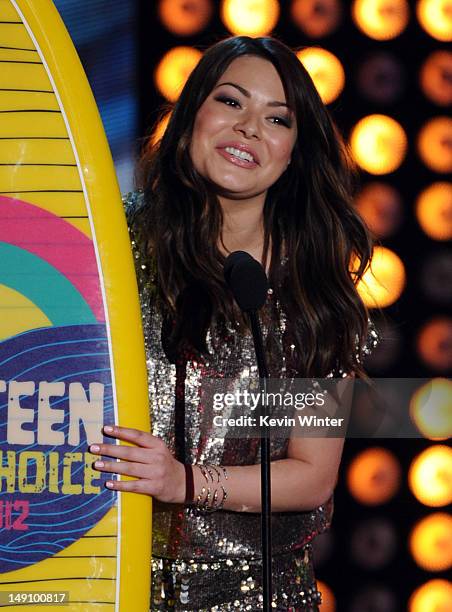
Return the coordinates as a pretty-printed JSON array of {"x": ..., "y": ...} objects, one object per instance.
[{"x": 211, "y": 562}]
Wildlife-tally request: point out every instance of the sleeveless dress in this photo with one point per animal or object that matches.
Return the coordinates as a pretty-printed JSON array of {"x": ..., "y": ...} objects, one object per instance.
[{"x": 212, "y": 561}]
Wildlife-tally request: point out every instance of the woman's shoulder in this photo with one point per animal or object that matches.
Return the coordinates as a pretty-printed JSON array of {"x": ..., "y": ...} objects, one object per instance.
[{"x": 133, "y": 202}]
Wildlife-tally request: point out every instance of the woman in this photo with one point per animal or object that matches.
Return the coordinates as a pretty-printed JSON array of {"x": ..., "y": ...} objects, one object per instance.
[{"x": 250, "y": 161}]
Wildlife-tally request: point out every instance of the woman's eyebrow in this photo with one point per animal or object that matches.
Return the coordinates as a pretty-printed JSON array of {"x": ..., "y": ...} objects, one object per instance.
[{"x": 248, "y": 95}]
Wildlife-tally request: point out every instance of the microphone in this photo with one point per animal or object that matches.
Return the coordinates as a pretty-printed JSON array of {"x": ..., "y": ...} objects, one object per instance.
[
  {"x": 249, "y": 285},
  {"x": 247, "y": 280}
]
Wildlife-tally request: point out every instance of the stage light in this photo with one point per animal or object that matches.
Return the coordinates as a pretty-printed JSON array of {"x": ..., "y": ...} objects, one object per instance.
[
  {"x": 316, "y": 18},
  {"x": 435, "y": 144},
  {"x": 430, "y": 476},
  {"x": 381, "y": 19},
  {"x": 380, "y": 206},
  {"x": 184, "y": 18},
  {"x": 328, "y": 600},
  {"x": 434, "y": 344},
  {"x": 435, "y": 16},
  {"x": 378, "y": 144},
  {"x": 430, "y": 409},
  {"x": 250, "y": 17},
  {"x": 374, "y": 599},
  {"x": 436, "y": 277},
  {"x": 433, "y": 596},
  {"x": 383, "y": 282},
  {"x": 325, "y": 70},
  {"x": 434, "y": 211},
  {"x": 159, "y": 129},
  {"x": 373, "y": 477},
  {"x": 436, "y": 77},
  {"x": 431, "y": 542},
  {"x": 174, "y": 69},
  {"x": 373, "y": 543},
  {"x": 381, "y": 78}
]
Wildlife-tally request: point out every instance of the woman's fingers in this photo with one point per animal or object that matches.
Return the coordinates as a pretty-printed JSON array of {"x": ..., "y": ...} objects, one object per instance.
[
  {"x": 137, "y": 470},
  {"x": 129, "y": 453},
  {"x": 136, "y": 436}
]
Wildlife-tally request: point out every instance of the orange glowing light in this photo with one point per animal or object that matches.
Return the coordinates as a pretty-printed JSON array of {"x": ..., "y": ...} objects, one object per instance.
[
  {"x": 250, "y": 17},
  {"x": 381, "y": 19},
  {"x": 431, "y": 542},
  {"x": 316, "y": 18},
  {"x": 382, "y": 283},
  {"x": 430, "y": 409},
  {"x": 434, "y": 344},
  {"x": 435, "y": 77},
  {"x": 380, "y": 206},
  {"x": 328, "y": 600},
  {"x": 325, "y": 70},
  {"x": 174, "y": 69},
  {"x": 435, "y": 16},
  {"x": 434, "y": 211},
  {"x": 433, "y": 596},
  {"x": 373, "y": 477},
  {"x": 430, "y": 476},
  {"x": 435, "y": 144},
  {"x": 185, "y": 17},
  {"x": 378, "y": 144}
]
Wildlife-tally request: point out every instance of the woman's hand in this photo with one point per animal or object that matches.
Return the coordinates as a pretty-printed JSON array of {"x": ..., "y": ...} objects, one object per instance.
[{"x": 149, "y": 461}]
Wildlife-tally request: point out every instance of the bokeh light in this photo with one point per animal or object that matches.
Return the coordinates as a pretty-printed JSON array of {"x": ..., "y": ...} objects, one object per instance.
[
  {"x": 250, "y": 17},
  {"x": 436, "y": 77},
  {"x": 373, "y": 598},
  {"x": 384, "y": 281},
  {"x": 378, "y": 144},
  {"x": 373, "y": 476},
  {"x": 185, "y": 17},
  {"x": 431, "y": 542},
  {"x": 380, "y": 206},
  {"x": 434, "y": 344},
  {"x": 316, "y": 18},
  {"x": 328, "y": 600},
  {"x": 325, "y": 70},
  {"x": 174, "y": 69},
  {"x": 435, "y": 16},
  {"x": 435, "y": 144},
  {"x": 433, "y": 596},
  {"x": 434, "y": 210},
  {"x": 373, "y": 543},
  {"x": 436, "y": 276},
  {"x": 431, "y": 409},
  {"x": 381, "y": 78},
  {"x": 381, "y": 19},
  {"x": 430, "y": 476}
]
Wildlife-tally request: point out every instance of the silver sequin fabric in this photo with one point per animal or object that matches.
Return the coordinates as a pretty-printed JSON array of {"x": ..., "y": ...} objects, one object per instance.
[{"x": 199, "y": 559}]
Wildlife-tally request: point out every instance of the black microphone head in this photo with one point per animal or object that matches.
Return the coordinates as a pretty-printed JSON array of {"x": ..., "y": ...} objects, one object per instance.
[{"x": 247, "y": 280}]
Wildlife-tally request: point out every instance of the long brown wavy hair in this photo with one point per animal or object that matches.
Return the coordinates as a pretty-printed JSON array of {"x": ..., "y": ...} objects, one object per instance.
[{"x": 308, "y": 214}]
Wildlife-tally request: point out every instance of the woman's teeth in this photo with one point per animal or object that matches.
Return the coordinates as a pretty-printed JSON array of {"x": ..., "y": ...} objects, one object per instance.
[{"x": 240, "y": 154}]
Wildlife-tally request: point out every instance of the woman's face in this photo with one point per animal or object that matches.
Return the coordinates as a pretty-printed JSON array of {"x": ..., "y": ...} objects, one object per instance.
[{"x": 244, "y": 133}]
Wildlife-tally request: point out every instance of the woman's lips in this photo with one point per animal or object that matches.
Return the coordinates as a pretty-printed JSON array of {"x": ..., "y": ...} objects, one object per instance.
[{"x": 243, "y": 163}]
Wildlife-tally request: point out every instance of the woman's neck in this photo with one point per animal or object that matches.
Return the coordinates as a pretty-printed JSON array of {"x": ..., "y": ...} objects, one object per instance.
[{"x": 243, "y": 226}]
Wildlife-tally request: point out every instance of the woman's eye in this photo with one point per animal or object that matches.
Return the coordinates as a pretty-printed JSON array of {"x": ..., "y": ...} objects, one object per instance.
[
  {"x": 228, "y": 101},
  {"x": 281, "y": 121}
]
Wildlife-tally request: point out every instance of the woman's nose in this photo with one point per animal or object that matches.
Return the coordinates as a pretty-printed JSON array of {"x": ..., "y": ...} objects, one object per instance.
[{"x": 248, "y": 126}]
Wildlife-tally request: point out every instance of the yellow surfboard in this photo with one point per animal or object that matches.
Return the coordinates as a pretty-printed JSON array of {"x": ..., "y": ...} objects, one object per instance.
[{"x": 71, "y": 347}]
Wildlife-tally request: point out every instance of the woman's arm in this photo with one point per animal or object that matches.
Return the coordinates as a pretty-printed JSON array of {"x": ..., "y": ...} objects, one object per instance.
[{"x": 302, "y": 481}]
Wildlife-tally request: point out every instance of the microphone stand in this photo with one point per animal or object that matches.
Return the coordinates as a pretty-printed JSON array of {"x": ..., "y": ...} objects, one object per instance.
[{"x": 265, "y": 465}]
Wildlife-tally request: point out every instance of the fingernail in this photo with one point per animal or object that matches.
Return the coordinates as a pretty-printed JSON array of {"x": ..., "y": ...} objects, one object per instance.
[
  {"x": 109, "y": 484},
  {"x": 94, "y": 448},
  {"x": 108, "y": 428},
  {"x": 99, "y": 464}
]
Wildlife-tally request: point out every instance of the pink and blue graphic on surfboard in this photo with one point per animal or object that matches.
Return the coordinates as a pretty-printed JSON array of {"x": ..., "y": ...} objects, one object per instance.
[{"x": 55, "y": 388}]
